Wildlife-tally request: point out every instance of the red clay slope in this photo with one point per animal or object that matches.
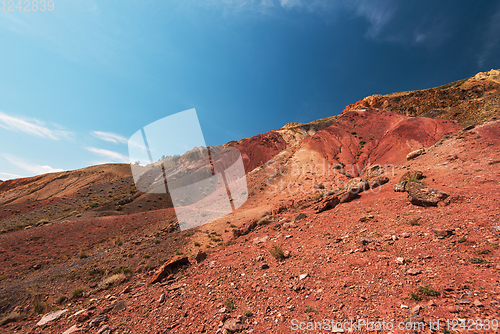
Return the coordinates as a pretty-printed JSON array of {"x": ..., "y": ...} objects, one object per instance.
[{"x": 375, "y": 136}]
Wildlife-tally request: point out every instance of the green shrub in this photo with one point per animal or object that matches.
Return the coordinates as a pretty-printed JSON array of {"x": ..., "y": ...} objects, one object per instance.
[
  {"x": 278, "y": 253},
  {"x": 61, "y": 300},
  {"x": 477, "y": 260},
  {"x": 229, "y": 303},
  {"x": 77, "y": 293}
]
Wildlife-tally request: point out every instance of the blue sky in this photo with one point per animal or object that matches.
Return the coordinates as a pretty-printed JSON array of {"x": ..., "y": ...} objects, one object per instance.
[{"x": 78, "y": 81}]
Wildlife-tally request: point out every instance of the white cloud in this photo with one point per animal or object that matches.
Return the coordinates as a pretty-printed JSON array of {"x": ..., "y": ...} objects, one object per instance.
[
  {"x": 30, "y": 167},
  {"x": 110, "y": 136},
  {"x": 31, "y": 126},
  {"x": 111, "y": 155}
]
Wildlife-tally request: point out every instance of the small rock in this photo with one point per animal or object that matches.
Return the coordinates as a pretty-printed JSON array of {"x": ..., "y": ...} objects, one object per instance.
[
  {"x": 233, "y": 325},
  {"x": 264, "y": 266},
  {"x": 162, "y": 298},
  {"x": 416, "y": 309},
  {"x": 400, "y": 187},
  {"x": 441, "y": 234},
  {"x": 431, "y": 303},
  {"x": 452, "y": 309},
  {"x": 96, "y": 322},
  {"x": 464, "y": 301},
  {"x": 51, "y": 317},
  {"x": 223, "y": 310},
  {"x": 300, "y": 216},
  {"x": 413, "y": 271},
  {"x": 366, "y": 218},
  {"x": 302, "y": 276},
  {"x": 73, "y": 329},
  {"x": 478, "y": 303},
  {"x": 400, "y": 260},
  {"x": 365, "y": 240},
  {"x": 405, "y": 235},
  {"x": 104, "y": 330},
  {"x": 127, "y": 289},
  {"x": 286, "y": 254},
  {"x": 258, "y": 240},
  {"x": 403, "y": 306}
]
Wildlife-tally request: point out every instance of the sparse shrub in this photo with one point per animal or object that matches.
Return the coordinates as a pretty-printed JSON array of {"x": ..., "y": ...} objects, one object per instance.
[
  {"x": 362, "y": 142},
  {"x": 477, "y": 260},
  {"x": 230, "y": 304},
  {"x": 232, "y": 225},
  {"x": 77, "y": 293},
  {"x": 178, "y": 252},
  {"x": 482, "y": 251},
  {"x": 278, "y": 253},
  {"x": 112, "y": 281},
  {"x": 121, "y": 269},
  {"x": 61, "y": 300},
  {"x": 263, "y": 221},
  {"x": 247, "y": 313},
  {"x": 318, "y": 196},
  {"x": 83, "y": 254},
  {"x": 146, "y": 256},
  {"x": 118, "y": 241},
  {"x": 416, "y": 296},
  {"x": 309, "y": 309},
  {"x": 414, "y": 221},
  {"x": 39, "y": 306},
  {"x": 414, "y": 179},
  {"x": 354, "y": 133},
  {"x": 462, "y": 240},
  {"x": 428, "y": 291},
  {"x": 197, "y": 244}
]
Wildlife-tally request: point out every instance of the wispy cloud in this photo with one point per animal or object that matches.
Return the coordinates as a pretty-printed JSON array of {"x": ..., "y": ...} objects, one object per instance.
[
  {"x": 30, "y": 167},
  {"x": 491, "y": 38},
  {"x": 31, "y": 126},
  {"x": 10, "y": 176},
  {"x": 377, "y": 13},
  {"x": 110, "y": 136},
  {"x": 111, "y": 155}
]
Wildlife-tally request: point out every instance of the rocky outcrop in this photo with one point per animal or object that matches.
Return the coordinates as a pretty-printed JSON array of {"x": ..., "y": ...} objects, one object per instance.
[{"x": 168, "y": 267}]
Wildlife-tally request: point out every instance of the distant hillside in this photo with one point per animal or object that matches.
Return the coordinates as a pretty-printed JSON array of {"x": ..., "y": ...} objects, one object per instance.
[{"x": 469, "y": 101}]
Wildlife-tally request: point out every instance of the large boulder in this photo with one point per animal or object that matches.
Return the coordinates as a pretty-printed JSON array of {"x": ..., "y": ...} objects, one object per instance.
[
  {"x": 414, "y": 154},
  {"x": 419, "y": 194}
]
